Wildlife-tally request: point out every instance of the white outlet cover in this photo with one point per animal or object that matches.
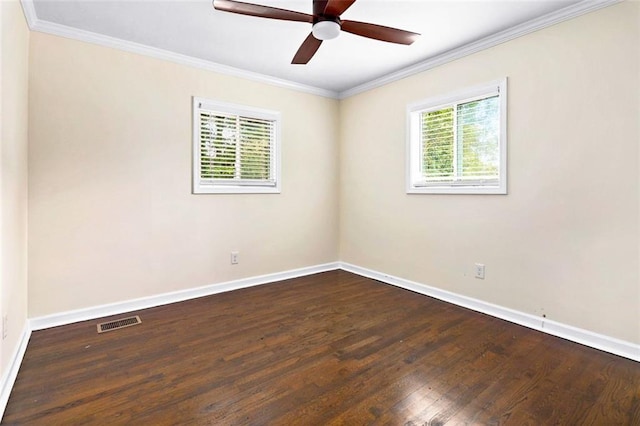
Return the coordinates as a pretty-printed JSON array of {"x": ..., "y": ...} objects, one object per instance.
[{"x": 479, "y": 271}]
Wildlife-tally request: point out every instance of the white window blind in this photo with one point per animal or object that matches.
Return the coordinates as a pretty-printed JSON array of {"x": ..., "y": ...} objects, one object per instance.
[
  {"x": 457, "y": 144},
  {"x": 235, "y": 148}
]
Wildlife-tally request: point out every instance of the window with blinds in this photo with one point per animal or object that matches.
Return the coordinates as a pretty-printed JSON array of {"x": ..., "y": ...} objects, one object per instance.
[
  {"x": 235, "y": 148},
  {"x": 457, "y": 143}
]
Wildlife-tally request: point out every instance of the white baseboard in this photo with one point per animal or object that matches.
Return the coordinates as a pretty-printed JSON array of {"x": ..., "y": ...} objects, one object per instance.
[
  {"x": 585, "y": 337},
  {"x": 9, "y": 377},
  {"x": 117, "y": 308},
  {"x": 574, "y": 334},
  {"x": 11, "y": 373}
]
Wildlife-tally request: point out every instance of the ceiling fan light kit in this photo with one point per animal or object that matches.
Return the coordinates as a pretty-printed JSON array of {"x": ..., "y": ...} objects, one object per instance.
[
  {"x": 326, "y": 24},
  {"x": 326, "y": 30}
]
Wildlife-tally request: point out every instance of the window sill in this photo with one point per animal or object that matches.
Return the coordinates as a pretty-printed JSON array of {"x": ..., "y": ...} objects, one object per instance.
[
  {"x": 457, "y": 190},
  {"x": 236, "y": 190}
]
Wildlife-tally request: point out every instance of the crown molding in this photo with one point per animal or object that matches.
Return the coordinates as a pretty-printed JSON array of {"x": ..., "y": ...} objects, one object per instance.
[
  {"x": 545, "y": 21},
  {"x": 47, "y": 27},
  {"x": 525, "y": 28},
  {"x": 29, "y": 12}
]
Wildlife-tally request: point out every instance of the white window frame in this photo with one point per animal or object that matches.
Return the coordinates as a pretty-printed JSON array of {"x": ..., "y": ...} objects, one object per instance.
[
  {"x": 219, "y": 186},
  {"x": 414, "y": 182}
]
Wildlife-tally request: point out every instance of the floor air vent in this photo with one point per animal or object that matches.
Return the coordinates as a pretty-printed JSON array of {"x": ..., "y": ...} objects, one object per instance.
[{"x": 118, "y": 324}]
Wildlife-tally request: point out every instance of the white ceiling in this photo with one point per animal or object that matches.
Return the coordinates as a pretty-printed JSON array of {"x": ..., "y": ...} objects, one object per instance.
[{"x": 266, "y": 46}]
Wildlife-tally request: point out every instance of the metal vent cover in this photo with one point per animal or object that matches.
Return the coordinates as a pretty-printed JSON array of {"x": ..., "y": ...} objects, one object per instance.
[{"x": 103, "y": 327}]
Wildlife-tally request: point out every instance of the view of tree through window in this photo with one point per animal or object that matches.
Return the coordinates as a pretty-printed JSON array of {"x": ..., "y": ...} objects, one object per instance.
[
  {"x": 457, "y": 142},
  {"x": 461, "y": 142},
  {"x": 234, "y": 147},
  {"x": 437, "y": 155}
]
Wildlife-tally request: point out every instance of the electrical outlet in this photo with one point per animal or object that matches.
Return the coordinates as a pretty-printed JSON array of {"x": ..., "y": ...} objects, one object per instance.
[
  {"x": 479, "y": 271},
  {"x": 235, "y": 257},
  {"x": 5, "y": 326}
]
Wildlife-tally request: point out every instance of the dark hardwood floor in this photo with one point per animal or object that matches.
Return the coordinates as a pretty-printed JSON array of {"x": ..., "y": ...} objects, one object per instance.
[{"x": 332, "y": 348}]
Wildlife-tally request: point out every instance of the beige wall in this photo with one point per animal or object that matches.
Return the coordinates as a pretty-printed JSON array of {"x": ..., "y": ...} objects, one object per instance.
[
  {"x": 564, "y": 242},
  {"x": 111, "y": 214},
  {"x": 13, "y": 174}
]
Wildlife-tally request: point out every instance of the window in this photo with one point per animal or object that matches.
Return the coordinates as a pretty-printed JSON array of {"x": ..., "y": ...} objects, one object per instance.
[
  {"x": 235, "y": 148},
  {"x": 457, "y": 144}
]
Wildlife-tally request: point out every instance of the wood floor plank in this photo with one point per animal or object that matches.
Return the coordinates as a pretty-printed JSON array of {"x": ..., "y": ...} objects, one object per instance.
[{"x": 331, "y": 348}]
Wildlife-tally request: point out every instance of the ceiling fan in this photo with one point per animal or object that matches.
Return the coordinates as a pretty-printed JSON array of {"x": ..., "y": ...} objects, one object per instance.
[{"x": 326, "y": 24}]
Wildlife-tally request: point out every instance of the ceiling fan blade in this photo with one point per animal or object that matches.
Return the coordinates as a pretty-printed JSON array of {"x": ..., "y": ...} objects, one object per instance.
[
  {"x": 306, "y": 51},
  {"x": 261, "y": 11},
  {"x": 337, "y": 7},
  {"x": 379, "y": 32}
]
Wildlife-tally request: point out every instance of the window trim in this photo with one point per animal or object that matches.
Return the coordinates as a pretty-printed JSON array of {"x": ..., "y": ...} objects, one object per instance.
[
  {"x": 414, "y": 146},
  {"x": 235, "y": 186}
]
